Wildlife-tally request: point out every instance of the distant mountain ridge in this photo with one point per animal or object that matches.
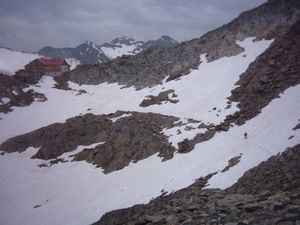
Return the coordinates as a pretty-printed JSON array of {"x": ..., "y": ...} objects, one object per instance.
[{"x": 90, "y": 53}]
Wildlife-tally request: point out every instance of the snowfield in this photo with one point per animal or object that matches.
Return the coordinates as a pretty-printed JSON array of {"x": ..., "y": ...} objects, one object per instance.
[
  {"x": 11, "y": 61},
  {"x": 122, "y": 49},
  {"x": 79, "y": 193}
]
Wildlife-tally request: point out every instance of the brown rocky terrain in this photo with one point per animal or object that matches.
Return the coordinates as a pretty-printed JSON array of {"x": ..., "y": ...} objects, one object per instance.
[
  {"x": 133, "y": 137},
  {"x": 157, "y": 100},
  {"x": 127, "y": 136}
]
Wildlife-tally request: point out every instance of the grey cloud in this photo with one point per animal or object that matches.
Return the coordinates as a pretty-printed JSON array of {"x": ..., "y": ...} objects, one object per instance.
[{"x": 32, "y": 24}]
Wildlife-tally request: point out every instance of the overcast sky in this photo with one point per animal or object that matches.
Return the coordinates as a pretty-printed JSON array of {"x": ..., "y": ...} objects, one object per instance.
[{"x": 29, "y": 25}]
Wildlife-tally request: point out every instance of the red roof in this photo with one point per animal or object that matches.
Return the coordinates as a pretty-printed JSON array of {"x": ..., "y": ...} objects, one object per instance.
[{"x": 52, "y": 61}]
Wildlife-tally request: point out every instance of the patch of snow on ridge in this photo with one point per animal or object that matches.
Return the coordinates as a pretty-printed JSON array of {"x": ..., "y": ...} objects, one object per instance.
[
  {"x": 118, "y": 51},
  {"x": 73, "y": 63},
  {"x": 124, "y": 115},
  {"x": 4, "y": 100},
  {"x": 11, "y": 61}
]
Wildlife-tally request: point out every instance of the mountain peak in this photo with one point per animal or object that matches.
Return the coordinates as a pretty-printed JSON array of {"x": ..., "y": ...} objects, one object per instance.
[
  {"x": 88, "y": 42},
  {"x": 91, "y": 53},
  {"x": 167, "y": 38},
  {"x": 127, "y": 40},
  {"x": 164, "y": 40}
]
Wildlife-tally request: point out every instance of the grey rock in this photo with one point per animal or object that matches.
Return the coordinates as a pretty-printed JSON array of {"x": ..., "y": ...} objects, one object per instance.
[
  {"x": 158, "y": 100},
  {"x": 122, "y": 139},
  {"x": 189, "y": 221},
  {"x": 12, "y": 88},
  {"x": 173, "y": 220}
]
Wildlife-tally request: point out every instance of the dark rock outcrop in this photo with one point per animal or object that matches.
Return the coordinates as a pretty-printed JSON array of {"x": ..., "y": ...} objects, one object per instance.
[
  {"x": 28, "y": 77},
  {"x": 232, "y": 162},
  {"x": 186, "y": 145},
  {"x": 126, "y": 136},
  {"x": 157, "y": 100},
  {"x": 132, "y": 137},
  {"x": 12, "y": 94}
]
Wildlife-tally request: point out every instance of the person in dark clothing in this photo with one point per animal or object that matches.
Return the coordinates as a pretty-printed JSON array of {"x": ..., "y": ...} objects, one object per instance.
[{"x": 245, "y": 135}]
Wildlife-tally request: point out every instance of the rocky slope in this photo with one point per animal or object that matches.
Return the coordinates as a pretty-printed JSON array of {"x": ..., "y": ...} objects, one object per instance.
[
  {"x": 270, "y": 74},
  {"x": 148, "y": 68},
  {"x": 12, "y": 94},
  {"x": 127, "y": 137},
  {"x": 90, "y": 53},
  {"x": 269, "y": 193},
  {"x": 272, "y": 198}
]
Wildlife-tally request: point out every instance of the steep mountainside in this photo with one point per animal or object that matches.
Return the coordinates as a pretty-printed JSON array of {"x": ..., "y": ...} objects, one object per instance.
[
  {"x": 275, "y": 199},
  {"x": 203, "y": 132},
  {"x": 90, "y": 53},
  {"x": 150, "y": 67}
]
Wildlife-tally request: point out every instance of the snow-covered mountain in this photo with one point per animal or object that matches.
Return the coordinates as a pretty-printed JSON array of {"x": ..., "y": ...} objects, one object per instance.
[
  {"x": 123, "y": 132},
  {"x": 90, "y": 53}
]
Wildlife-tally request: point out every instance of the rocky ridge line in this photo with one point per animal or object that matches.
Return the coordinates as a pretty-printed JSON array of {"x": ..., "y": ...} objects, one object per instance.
[
  {"x": 150, "y": 67},
  {"x": 90, "y": 53},
  {"x": 274, "y": 71}
]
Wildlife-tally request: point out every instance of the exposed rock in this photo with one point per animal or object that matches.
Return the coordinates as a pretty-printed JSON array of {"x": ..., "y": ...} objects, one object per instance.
[
  {"x": 269, "y": 75},
  {"x": 28, "y": 77},
  {"x": 123, "y": 137},
  {"x": 232, "y": 162},
  {"x": 297, "y": 127},
  {"x": 157, "y": 100},
  {"x": 127, "y": 136},
  {"x": 12, "y": 94},
  {"x": 186, "y": 145},
  {"x": 141, "y": 70}
]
